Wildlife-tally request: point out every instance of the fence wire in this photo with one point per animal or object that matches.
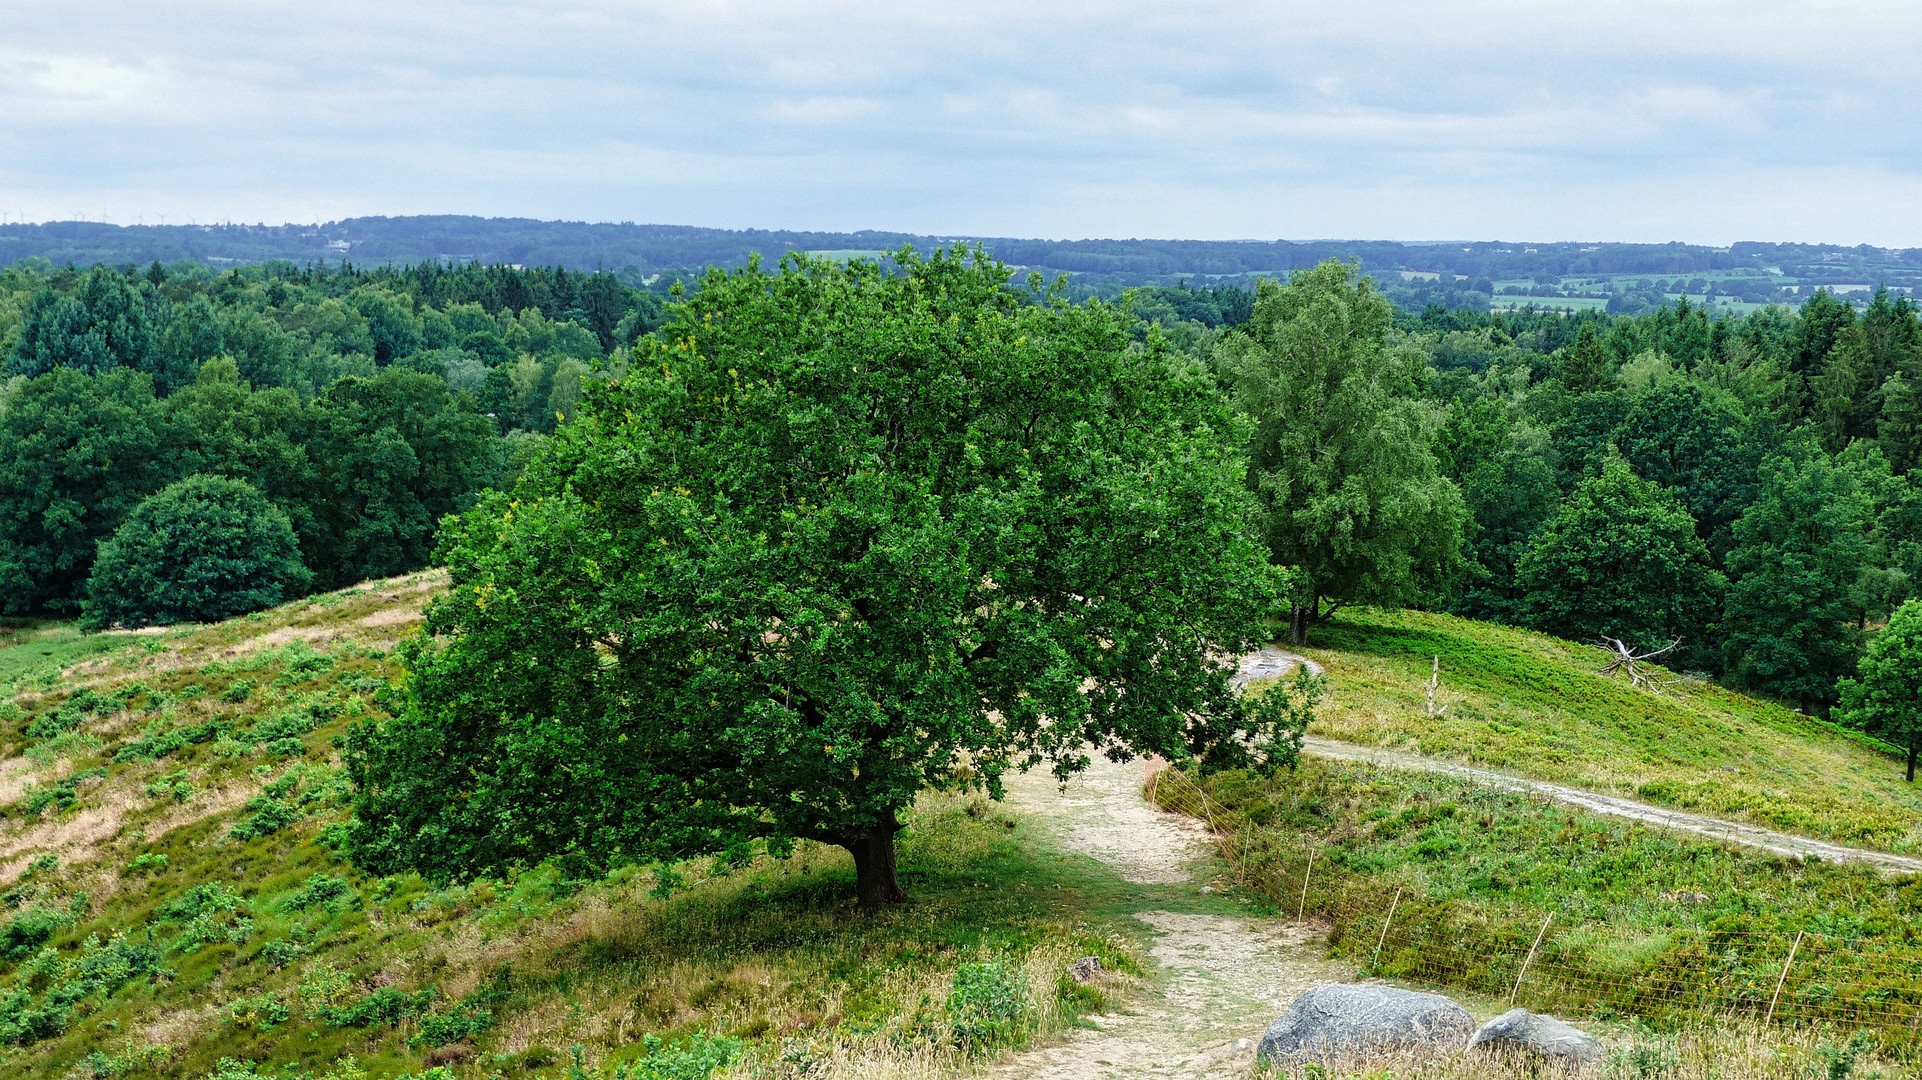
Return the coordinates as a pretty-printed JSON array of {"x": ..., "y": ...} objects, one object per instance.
[{"x": 1547, "y": 962}]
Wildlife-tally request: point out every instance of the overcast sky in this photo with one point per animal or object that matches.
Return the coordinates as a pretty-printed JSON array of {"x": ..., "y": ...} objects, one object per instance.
[{"x": 1446, "y": 119}]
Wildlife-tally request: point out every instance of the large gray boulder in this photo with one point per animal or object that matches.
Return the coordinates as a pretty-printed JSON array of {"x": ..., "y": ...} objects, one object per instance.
[
  {"x": 1555, "y": 1041},
  {"x": 1330, "y": 1021}
]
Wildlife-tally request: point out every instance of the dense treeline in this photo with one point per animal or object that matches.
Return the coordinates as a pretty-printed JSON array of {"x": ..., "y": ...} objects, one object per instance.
[
  {"x": 1748, "y": 485},
  {"x": 364, "y": 405},
  {"x": 1744, "y": 483}
]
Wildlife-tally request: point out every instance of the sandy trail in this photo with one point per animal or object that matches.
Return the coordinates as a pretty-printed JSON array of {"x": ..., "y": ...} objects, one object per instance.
[
  {"x": 1222, "y": 979},
  {"x": 1273, "y": 663}
]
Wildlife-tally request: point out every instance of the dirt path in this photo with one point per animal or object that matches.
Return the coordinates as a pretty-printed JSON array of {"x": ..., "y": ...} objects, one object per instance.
[
  {"x": 1272, "y": 663},
  {"x": 1223, "y": 979}
]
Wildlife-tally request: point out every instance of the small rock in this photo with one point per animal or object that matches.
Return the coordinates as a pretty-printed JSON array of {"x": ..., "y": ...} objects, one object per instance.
[
  {"x": 1541, "y": 1036},
  {"x": 1330, "y": 1021},
  {"x": 1685, "y": 897},
  {"x": 1084, "y": 969}
]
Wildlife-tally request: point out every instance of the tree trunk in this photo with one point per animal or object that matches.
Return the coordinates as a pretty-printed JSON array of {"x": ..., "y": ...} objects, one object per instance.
[
  {"x": 875, "y": 881},
  {"x": 1298, "y": 623},
  {"x": 1913, "y": 746}
]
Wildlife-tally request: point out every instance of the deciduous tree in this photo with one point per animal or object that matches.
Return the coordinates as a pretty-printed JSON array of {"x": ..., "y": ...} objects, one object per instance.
[
  {"x": 839, "y": 536},
  {"x": 1342, "y": 458},
  {"x": 1885, "y": 696},
  {"x": 202, "y": 549},
  {"x": 1620, "y": 559}
]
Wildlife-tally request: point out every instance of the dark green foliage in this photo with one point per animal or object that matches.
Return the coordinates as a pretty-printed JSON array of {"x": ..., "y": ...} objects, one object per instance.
[
  {"x": 1885, "y": 696},
  {"x": 1621, "y": 559},
  {"x": 441, "y": 1028},
  {"x": 1507, "y": 476},
  {"x": 1350, "y": 494},
  {"x": 273, "y": 809},
  {"x": 77, "y": 453},
  {"x": 695, "y": 1058},
  {"x": 74, "y": 711},
  {"x": 1585, "y": 366},
  {"x": 835, "y": 532},
  {"x": 1694, "y": 441},
  {"x": 316, "y": 890},
  {"x": 29, "y": 929},
  {"x": 1800, "y": 553},
  {"x": 384, "y": 1006},
  {"x": 131, "y": 383},
  {"x": 62, "y": 795},
  {"x": 395, "y": 453},
  {"x": 203, "y": 549},
  {"x": 102, "y": 325}
]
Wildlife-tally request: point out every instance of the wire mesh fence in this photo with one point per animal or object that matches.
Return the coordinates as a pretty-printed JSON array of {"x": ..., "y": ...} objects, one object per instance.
[{"x": 1549, "y": 962}]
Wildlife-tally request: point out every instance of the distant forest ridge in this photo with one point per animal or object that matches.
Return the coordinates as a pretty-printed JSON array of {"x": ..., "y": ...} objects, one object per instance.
[{"x": 1621, "y": 278}]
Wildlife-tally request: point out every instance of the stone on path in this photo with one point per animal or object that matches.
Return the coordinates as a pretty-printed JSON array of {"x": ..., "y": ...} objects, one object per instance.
[
  {"x": 1084, "y": 969},
  {"x": 1330, "y": 1021},
  {"x": 1541, "y": 1036}
]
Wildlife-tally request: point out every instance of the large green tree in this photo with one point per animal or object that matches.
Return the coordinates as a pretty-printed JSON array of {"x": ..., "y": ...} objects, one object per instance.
[
  {"x": 1695, "y": 441},
  {"x": 1342, "y": 455},
  {"x": 1620, "y": 559},
  {"x": 77, "y": 452},
  {"x": 1797, "y": 568},
  {"x": 199, "y": 550},
  {"x": 839, "y": 536},
  {"x": 393, "y": 453},
  {"x": 1885, "y": 697}
]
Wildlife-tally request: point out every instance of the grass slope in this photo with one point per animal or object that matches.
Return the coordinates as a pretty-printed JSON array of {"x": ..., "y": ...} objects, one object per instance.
[
  {"x": 1668, "y": 929},
  {"x": 169, "y": 898},
  {"x": 1534, "y": 705}
]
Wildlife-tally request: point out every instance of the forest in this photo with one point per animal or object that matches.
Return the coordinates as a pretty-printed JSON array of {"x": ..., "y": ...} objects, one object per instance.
[
  {"x": 364, "y": 405},
  {"x": 1743, "y": 484}
]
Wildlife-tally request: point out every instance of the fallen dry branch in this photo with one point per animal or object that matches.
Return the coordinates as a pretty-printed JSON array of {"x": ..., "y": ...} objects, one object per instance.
[{"x": 1625, "y": 659}]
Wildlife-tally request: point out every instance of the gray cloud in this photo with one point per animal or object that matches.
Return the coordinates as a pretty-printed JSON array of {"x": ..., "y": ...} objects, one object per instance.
[{"x": 1705, "y": 121}]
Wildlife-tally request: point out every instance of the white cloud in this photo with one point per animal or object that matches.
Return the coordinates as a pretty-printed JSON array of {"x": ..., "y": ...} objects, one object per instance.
[{"x": 1705, "y": 121}]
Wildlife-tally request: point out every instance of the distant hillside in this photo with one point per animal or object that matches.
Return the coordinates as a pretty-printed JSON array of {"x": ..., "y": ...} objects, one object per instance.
[{"x": 1472, "y": 274}]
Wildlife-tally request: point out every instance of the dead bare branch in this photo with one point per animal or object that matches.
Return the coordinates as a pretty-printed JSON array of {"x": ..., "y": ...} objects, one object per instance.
[{"x": 1626, "y": 660}]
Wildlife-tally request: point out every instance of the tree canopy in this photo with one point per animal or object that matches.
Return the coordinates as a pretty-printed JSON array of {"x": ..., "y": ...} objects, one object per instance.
[
  {"x": 1621, "y": 559},
  {"x": 1885, "y": 697},
  {"x": 838, "y": 537},
  {"x": 1342, "y": 460},
  {"x": 203, "y": 549}
]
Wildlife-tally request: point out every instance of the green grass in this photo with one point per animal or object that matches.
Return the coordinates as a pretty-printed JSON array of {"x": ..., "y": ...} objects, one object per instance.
[
  {"x": 1666, "y": 928},
  {"x": 37, "y": 649},
  {"x": 170, "y": 897},
  {"x": 1535, "y": 705}
]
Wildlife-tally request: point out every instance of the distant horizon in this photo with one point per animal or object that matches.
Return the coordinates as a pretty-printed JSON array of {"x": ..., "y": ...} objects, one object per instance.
[{"x": 937, "y": 233}]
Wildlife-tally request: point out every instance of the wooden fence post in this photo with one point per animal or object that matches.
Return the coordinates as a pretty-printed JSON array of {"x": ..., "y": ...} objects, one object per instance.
[
  {"x": 1784, "y": 977},
  {"x": 1302, "y": 907},
  {"x": 1385, "y": 924},
  {"x": 1530, "y": 958}
]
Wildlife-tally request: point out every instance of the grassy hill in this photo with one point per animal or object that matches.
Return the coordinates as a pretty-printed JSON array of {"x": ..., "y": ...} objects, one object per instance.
[
  {"x": 170, "y": 897},
  {"x": 1535, "y": 705}
]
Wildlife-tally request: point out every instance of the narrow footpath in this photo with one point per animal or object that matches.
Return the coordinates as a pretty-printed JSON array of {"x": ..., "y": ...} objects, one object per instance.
[
  {"x": 1221, "y": 980},
  {"x": 1273, "y": 663}
]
